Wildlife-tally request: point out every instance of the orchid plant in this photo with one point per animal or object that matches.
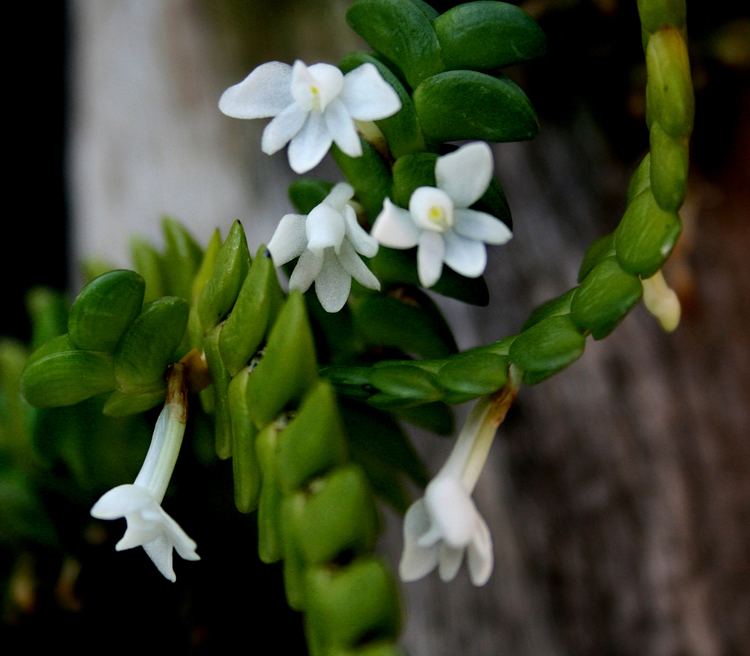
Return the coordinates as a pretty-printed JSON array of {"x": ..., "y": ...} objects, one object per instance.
[{"x": 296, "y": 382}]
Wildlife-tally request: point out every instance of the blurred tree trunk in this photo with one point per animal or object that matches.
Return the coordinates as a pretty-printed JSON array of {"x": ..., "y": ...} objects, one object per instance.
[{"x": 618, "y": 493}]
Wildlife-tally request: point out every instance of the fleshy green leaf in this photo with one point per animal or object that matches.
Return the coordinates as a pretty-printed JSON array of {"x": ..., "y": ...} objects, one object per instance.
[
  {"x": 406, "y": 382},
  {"x": 411, "y": 172},
  {"x": 487, "y": 35},
  {"x": 368, "y": 174},
  {"x": 669, "y": 172},
  {"x": 470, "y": 105},
  {"x": 306, "y": 193},
  {"x": 245, "y": 468},
  {"x": 402, "y": 32},
  {"x": 122, "y": 404},
  {"x": 475, "y": 374},
  {"x": 269, "y": 505},
  {"x": 104, "y": 309},
  {"x": 148, "y": 263},
  {"x": 552, "y": 308},
  {"x": 182, "y": 257},
  {"x": 220, "y": 384},
  {"x": 48, "y": 311}
]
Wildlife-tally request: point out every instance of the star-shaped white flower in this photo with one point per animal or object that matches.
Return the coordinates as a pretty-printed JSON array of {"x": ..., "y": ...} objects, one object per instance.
[
  {"x": 445, "y": 523},
  {"x": 439, "y": 221},
  {"x": 312, "y": 107},
  {"x": 148, "y": 526},
  {"x": 328, "y": 242}
]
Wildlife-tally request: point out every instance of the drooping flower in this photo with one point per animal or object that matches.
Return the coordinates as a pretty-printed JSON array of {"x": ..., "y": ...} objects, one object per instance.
[
  {"x": 439, "y": 221},
  {"x": 328, "y": 242},
  {"x": 443, "y": 525},
  {"x": 312, "y": 107},
  {"x": 662, "y": 301},
  {"x": 148, "y": 526}
]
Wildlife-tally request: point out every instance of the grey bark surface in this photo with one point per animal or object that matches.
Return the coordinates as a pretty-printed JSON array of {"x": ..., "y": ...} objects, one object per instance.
[{"x": 617, "y": 493}]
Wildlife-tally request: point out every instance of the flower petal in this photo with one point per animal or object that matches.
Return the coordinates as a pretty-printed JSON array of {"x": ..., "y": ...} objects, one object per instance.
[
  {"x": 159, "y": 551},
  {"x": 339, "y": 196},
  {"x": 465, "y": 256},
  {"x": 333, "y": 283},
  {"x": 307, "y": 269},
  {"x": 367, "y": 96},
  {"x": 430, "y": 257},
  {"x": 394, "y": 227},
  {"x": 481, "y": 226},
  {"x": 281, "y": 130},
  {"x": 452, "y": 510},
  {"x": 355, "y": 267},
  {"x": 449, "y": 561},
  {"x": 329, "y": 80},
  {"x": 265, "y": 92},
  {"x": 465, "y": 173},
  {"x": 363, "y": 242},
  {"x": 313, "y": 87},
  {"x": 325, "y": 228},
  {"x": 479, "y": 556},
  {"x": 416, "y": 561},
  {"x": 289, "y": 239},
  {"x": 341, "y": 128},
  {"x": 310, "y": 144},
  {"x": 182, "y": 542},
  {"x": 120, "y": 501},
  {"x": 431, "y": 209}
]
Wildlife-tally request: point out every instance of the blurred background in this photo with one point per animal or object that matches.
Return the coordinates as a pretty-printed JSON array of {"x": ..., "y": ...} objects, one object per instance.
[{"x": 618, "y": 493}]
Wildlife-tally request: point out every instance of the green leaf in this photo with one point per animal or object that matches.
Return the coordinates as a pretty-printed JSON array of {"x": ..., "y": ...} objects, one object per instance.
[
  {"x": 406, "y": 382},
  {"x": 306, "y": 193},
  {"x": 646, "y": 236},
  {"x": 552, "y": 308},
  {"x": 288, "y": 368},
  {"x": 122, "y": 404},
  {"x": 150, "y": 345},
  {"x": 256, "y": 306},
  {"x": 229, "y": 271},
  {"x": 399, "y": 266},
  {"x": 470, "y": 105},
  {"x": 67, "y": 377},
  {"x": 604, "y": 298},
  {"x": 48, "y": 311},
  {"x": 474, "y": 374},
  {"x": 409, "y": 325},
  {"x": 104, "y": 309},
  {"x": 202, "y": 276},
  {"x": 182, "y": 257},
  {"x": 640, "y": 180},
  {"x": 435, "y": 417},
  {"x": 148, "y": 263},
  {"x": 368, "y": 174},
  {"x": 245, "y": 468},
  {"x": 402, "y": 32},
  {"x": 401, "y": 130},
  {"x": 336, "y": 514},
  {"x": 670, "y": 168},
  {"x": 411, "y": 172},
  {"x": 269, "y": 505},
  {"x": 546, "y": 348},
  {"x": 220, "y": 384},
  {"x": 342, "y": 613},
  {"x": 487, "y": 35},
  {"x": 658, "y": 13},
  {"x": 313, "y": 442}
]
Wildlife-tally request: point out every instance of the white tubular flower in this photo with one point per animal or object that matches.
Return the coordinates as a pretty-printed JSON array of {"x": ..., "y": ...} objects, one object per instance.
[
  {"x": 439, "y": 221},
  {"x": 328, "y": 242},
  {"x": 312, "y": 107},
  {"x": 662, "y": 301},
  {"x": 445, "y": 523},
  {"x": 148, "y": 526}
]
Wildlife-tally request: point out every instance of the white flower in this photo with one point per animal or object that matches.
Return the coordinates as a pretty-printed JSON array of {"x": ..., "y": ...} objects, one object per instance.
[
  {"x": 328, "y": 242},
  {"x": 662, "y": 301},
  {"x": 313, "y": 107},
  {"x": 439, "y": 222},
  {"x": 140, "y": 503},
  {"x": 440, "y": 527}
]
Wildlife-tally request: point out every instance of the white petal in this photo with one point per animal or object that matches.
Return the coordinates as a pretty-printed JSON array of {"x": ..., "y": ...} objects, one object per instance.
[
  {"x": 310, "y": 144},
  {"x": 367, "y": 96},
  {"x": 315, "y": 86},
  {"x": 333, "y": 283},
  {"x": 120, "y": 501},
  {"x": 289, "y": 240},
  {"x": 480, "y": 557},
  {"x": 363, "y": 243},
  {"x": 449, "y": 561},
  {"x": 356, "y": 268},
  {"x": 307, "y": 269},
  {"x": 182, "y": 542},
  {"x": 341, "y": 128},
  {"x": 279, "y": 131},
  {"x": 325, "y": 227},
  {"x": 138, "y": 533},
  {"x": 394, "y": 227},
  {"x": 267, "y": 91},
  {"x": 431, "y": 209},
  {"x": 416, "y": 561},
  {"x": 481, "y": 226},
  {"x": 466, "y": 173},
  {"x": 160, "y": 552},
  {"x": 430, "y": 257},
  {"x": 452, "y": 510},
  {"x": 465, "y": 256},
  {"x": 339, "y": 196}
]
